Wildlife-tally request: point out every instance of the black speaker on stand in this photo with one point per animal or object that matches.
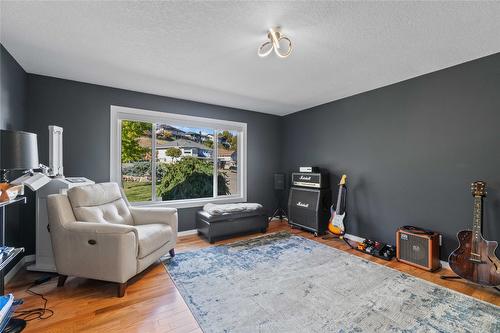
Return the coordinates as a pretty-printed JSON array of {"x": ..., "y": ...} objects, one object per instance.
[{"x": 279, "y": 189}]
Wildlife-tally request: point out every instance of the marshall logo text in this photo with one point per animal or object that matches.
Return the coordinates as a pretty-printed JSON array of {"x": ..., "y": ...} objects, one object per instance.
[{"x": 300, "y": 204}]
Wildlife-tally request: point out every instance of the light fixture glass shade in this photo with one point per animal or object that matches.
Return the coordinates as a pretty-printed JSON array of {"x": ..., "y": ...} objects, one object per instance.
[
  {"x": 265, "y": 49},
  {"x": 277, "y": 48},
  {"x": 18, "y": 150}
]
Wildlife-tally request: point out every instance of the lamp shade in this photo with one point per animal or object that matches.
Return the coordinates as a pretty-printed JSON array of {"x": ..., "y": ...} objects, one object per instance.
[{"x": 18, "y": 150}]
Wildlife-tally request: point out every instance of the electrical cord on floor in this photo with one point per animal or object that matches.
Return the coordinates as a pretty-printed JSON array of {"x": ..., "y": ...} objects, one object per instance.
[
  {"x": 333, "y": 236},
  {"x": 35, "y": 313}
]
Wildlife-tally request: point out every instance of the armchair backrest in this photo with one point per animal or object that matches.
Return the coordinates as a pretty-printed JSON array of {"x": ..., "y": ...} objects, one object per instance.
[
  {"x": 100, "y": 203},
  {"x": 59, "y": 211}
]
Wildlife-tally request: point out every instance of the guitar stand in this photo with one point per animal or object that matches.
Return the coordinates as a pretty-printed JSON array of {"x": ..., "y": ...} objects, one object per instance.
[
  {"x": 329, "y": 235},
  {"x": 456, "y": 277}
]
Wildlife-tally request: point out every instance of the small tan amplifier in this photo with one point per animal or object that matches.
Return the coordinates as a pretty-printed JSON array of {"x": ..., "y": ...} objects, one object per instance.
[{"x": 418, "y": 247}]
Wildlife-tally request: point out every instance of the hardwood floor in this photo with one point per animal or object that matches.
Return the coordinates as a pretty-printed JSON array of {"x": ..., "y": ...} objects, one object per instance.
[{"x": 152, "y": 302}]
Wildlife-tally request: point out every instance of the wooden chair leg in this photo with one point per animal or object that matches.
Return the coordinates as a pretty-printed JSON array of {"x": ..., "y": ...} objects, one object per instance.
[
  {"x": 172, "y": 253},
  {"x": 61, "y": 280},
  {"x": 121, "y": 289}
]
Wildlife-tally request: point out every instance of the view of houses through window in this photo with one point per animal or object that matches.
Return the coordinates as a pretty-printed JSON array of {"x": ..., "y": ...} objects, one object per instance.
[{"x": 163, "y": 162}]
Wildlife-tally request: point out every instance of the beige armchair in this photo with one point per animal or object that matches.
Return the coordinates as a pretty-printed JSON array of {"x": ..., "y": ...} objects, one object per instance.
[{"x": 96, "y": 234}]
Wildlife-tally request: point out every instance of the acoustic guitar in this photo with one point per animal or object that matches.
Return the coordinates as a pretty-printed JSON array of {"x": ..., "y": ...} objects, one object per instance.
[
  {"x": 336, "y": 222},
  {"x": 475, "y": 258}
]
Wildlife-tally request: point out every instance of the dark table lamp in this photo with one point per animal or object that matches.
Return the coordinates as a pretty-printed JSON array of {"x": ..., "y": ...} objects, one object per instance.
[{"x": 18, "y": 151}]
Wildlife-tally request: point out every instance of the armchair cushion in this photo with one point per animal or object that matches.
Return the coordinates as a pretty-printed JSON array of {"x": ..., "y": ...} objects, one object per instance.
[
  {"x": 151, "y": 237},
  {"x": 100, "y": 203}
]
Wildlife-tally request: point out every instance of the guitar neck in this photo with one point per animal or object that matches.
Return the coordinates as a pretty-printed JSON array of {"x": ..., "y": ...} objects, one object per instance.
[
  {"x": 339, "y": 200},
  {"x": 477, "y": 223}
]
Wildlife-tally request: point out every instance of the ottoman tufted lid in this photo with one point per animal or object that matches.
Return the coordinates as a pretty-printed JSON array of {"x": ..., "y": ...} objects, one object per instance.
[{"x": 224, "y": 209}]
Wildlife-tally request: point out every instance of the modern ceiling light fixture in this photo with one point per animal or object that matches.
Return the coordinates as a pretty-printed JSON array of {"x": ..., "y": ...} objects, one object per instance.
[{"x": 275, "y": 38}]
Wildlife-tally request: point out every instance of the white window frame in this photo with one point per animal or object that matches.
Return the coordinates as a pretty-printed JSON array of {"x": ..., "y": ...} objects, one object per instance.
[{"x": 119, "y": 113}]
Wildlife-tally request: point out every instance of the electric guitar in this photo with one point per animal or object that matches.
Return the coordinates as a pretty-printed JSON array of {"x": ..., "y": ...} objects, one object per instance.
[
  {"x": 475, "y": 258},
  {"x": 336, "y": 223}
]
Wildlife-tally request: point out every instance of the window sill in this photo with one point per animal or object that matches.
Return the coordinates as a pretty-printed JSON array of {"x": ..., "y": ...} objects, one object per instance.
[{"x": 189, "y": 203}]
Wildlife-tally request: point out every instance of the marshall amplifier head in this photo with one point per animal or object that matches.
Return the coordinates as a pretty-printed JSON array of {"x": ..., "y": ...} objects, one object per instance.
[
  {"x": 418, "y": 248},
  {"x": 308, "y": 169},
  {"x": 310, "y": 179}
]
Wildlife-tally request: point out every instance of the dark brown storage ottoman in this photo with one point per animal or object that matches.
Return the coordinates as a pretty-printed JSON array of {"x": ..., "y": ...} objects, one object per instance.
[{"x": 215, "y": 227}]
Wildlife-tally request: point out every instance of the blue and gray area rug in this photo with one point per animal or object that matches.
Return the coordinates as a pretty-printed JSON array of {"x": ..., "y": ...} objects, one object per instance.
[{"x": 284, "y": 283}]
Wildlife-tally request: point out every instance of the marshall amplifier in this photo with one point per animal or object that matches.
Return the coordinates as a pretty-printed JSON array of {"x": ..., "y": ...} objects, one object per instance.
[
  {"x": 418, "y": 247},
  {"x": 308, "y": 169},
  {"x": 309, "y": 209},
  {"x": 310, "y": 179}
]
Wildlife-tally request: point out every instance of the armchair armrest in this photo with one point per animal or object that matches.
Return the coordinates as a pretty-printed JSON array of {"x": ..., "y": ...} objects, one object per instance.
[
  {"x": 96, "y": 250},
  {"x": 100, "y": 228},
  {"x": 149, "y": 215}
]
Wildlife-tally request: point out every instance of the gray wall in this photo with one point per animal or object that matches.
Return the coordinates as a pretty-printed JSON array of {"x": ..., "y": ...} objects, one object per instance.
[
  {"x": 83, "y": 110},
  {"x": 410, "y": 151},
  {"x": 19, "y": 229},
  {"x": 12, "y": 92}
]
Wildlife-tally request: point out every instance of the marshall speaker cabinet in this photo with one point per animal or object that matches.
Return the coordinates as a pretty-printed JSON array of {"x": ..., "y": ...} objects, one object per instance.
[
  {"x": 308, "y": 209},
  {"x": 418, "y": 248}
]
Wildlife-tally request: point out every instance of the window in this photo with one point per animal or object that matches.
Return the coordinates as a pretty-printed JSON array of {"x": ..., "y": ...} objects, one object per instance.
[{"x": 177, "y": 160}]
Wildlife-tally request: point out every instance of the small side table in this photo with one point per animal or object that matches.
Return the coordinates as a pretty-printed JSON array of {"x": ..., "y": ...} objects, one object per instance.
[
  {"x": 5, "y": 260},
  {"x": 14, "y": 325}
]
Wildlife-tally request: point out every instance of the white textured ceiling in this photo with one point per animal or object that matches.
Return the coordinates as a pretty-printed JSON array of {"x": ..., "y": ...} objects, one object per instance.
[{"x": 206, "y": 51}]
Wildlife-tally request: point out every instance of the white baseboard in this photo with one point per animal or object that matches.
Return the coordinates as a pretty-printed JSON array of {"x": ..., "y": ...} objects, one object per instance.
[
  {"x": 23, "y": 262},
  {"x": 187, "y": 232},
  {"x": 194, "y": 231}
]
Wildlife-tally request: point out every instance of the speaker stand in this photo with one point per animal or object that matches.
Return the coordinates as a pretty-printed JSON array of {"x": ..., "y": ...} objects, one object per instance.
[
  {"x": 456, "y": 277},
  {"x": 279, "y": 212}
]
